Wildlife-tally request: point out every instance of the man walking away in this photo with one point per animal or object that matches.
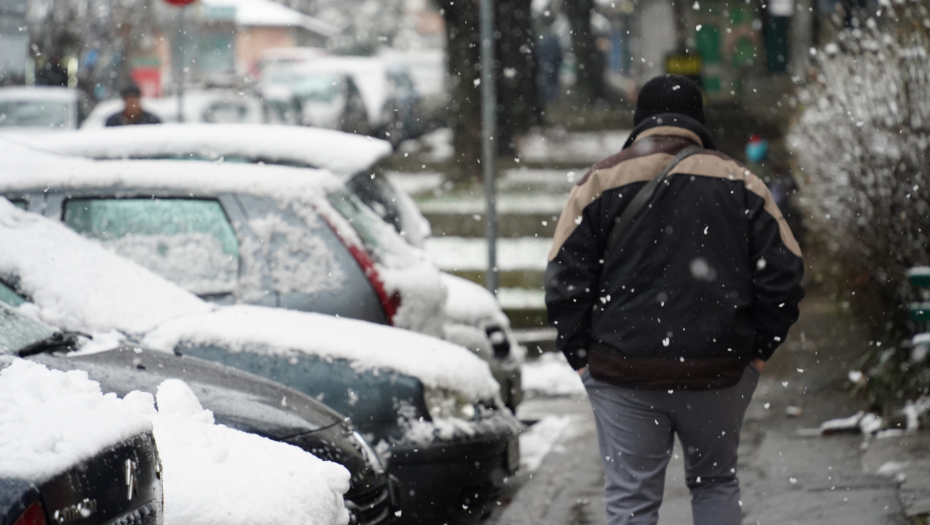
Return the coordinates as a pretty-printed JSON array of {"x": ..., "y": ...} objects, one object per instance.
[
  {"x": 672, "y": 279},
  {"x": 132, "y": 111}
]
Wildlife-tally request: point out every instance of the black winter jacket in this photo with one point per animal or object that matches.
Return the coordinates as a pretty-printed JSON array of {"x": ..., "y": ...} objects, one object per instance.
[{"x": 705, "y": 278}]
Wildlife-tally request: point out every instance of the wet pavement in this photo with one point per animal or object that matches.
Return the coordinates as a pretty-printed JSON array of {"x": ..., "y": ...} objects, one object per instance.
[{"x": 787, "y": 478}]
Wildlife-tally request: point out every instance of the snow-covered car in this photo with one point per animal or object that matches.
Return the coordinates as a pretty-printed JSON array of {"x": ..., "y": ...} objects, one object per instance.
[
  {"x": 324, "y": 100},
  {"x": 265, "y": 235},
  {"x": 348, "y": 156},
  {"x": 391, "y": 100},
  {"x": 288, "y": 56},
  {"x": 430, "y": 76},
  {"x": 237, "y": 399},
  {"x": 42, "y": 108},
  {"x": 210, "y": 473},
  {"x": 213, "y": 106},
  {"x": 433, "y": 407},
  {"x": 65, "y": 454}
]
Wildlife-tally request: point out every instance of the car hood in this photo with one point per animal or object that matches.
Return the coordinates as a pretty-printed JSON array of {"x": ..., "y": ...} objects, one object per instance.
[{"x": 237, "y": 399}]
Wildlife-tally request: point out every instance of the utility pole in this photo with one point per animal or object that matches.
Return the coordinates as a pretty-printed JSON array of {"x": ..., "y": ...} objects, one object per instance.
[
  {"x": 489, "y": 131},
  {"x": 181, "y": 11}
]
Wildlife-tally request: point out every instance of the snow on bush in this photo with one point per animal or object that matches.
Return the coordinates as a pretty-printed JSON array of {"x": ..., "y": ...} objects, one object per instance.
[
  {"x": 214, "y": 475},
  {"x": 51, "y": 420},
  {"x": 863, "y": 142}
]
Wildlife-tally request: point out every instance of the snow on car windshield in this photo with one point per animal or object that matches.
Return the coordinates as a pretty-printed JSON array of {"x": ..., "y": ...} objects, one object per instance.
[
  {"x": 188, "y": 242},
  {"x": 51, "y": 420},
  {"x": 34, "y": 114}
]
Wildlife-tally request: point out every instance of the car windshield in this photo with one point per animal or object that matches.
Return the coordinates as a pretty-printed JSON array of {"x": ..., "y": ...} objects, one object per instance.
[
  {"x": 187, "y": 241},
  {"x": 33, "y": 114},
  {"x": 316, "y": 88},
  {"x": 9, "y": 296},
  {"x": 18, "y": 331}
]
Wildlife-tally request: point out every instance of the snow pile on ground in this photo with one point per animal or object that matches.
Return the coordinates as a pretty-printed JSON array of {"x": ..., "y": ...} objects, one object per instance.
[
  {"x": 78, "y": 284},
  {"x": 437, "y": 363},
  {"x": 51, "y": 420},
  {"x": 550, "y": 375},
  {"x": 214, "y": 475},
  {"x": 541, "y": 439}
]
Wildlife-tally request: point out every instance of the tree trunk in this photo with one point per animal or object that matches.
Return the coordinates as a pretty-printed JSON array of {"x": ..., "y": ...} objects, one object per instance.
[
  {"x": 464, "y": 112},
  {"x": 517, "y": 93},
  {"x": 591, "y": 61},
  {"x": 517, "y": 99}
]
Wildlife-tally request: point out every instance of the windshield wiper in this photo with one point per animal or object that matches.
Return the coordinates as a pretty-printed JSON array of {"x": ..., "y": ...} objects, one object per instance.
[{"x": 53, "y": 342}]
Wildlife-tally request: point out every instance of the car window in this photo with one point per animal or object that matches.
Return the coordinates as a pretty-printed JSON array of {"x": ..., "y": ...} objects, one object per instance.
[
  {"x": 18, "y": 331},
  {"x": 187, "y": 241},
  {"x": 226, "y": 113},
  {"x": 34, "y": 114},
  {"x": 382, "y": 241},
  {"x": 19, "y": 203},
  {"x": 9, "y": 296}
]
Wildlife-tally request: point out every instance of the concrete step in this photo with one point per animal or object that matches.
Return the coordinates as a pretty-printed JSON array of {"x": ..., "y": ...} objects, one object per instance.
[
  {"x": 536, "y": 340},
  {"x": 525, "y": 279},
  {"x": 510, "y": 225}
]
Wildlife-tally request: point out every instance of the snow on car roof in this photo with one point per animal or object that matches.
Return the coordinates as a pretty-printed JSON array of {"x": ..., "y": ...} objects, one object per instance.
[
  {"x": 338, "y": 152},
  {"x": 25, "y": 169},
  {"x": 56, "y": 94},
  {"x": 78, "y": 284},
  {"x": 51, "y": 420},
  {"x": 369, "y": 74},
  {"x": 435, "y": 362},
  {"x": 266, "y": 13},
  {"x": 214, "y": 474}
]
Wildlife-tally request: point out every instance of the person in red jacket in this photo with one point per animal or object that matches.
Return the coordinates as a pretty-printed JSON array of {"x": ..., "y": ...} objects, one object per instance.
[{"x": 670, "y": 312}]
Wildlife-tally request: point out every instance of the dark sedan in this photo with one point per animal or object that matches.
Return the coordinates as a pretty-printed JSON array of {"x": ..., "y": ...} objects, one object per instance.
[
  {"x": 238, "y": 400},
  {"x": 118, "y": 483}
]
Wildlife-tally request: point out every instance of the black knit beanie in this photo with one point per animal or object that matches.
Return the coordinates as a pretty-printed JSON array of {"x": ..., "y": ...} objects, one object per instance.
[{"x": 669, "y": 94}]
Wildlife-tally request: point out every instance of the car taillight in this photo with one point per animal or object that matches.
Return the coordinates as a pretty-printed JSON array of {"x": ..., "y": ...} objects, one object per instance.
[
  {"x": 33, "y": 515},
  {"x": 390, "y": 303}
]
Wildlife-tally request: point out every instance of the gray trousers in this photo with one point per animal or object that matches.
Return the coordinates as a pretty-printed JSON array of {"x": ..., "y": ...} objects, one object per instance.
[{"x": 636, "y": 429}]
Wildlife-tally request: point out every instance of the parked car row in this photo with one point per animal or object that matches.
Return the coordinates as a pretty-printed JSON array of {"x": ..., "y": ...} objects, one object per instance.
[
  {"x": 374, "y": 96},
  {"x": 359, "y": 267},
  {"x": 212, "y": 271}
]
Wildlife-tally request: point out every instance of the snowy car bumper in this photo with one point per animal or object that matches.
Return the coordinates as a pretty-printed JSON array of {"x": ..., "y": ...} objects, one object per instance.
[{"x": 454, "y": 481}]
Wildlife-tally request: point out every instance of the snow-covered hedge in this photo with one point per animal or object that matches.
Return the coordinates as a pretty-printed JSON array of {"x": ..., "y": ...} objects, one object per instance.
[{"x": 863, "y": 143}]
